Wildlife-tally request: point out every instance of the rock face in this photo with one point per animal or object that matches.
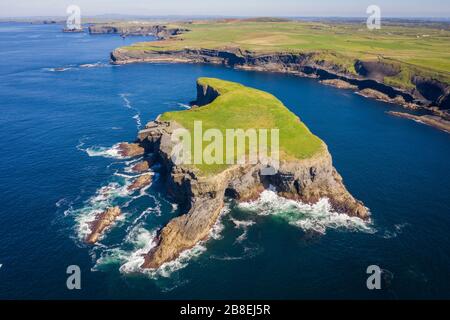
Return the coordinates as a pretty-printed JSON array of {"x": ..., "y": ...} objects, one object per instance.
[
  {"x": 102, "y": 221},
  {"x": 126, "y": 149},
  {"x": 427, "y": 93},
  {"x": 140, "y": 182},
  {"x": 202, "y": 196}
]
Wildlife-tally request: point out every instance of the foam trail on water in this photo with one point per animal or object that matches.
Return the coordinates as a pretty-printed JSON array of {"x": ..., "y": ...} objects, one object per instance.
[
  {"x": 243, "y": 225},
  {"x": 317, "y": 217},
  {"x": 128, "y": 105}
]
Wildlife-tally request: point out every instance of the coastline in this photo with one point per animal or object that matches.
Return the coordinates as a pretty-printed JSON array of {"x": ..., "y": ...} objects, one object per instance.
[
  {"x": 302, "y": 65},
  {"x": 432, "y": 121}
]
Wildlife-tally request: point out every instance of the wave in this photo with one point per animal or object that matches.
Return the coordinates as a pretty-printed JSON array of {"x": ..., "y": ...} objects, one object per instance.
[
  {"x": 184, "y": 106},
  {"x": 99, "y": 202},
  {"x": 398, "y": 229},
  {"x": 243, "y": 225},
  {"x": 94, "y": 65},
  {"x": 106, "y": 152},
  {"x": 317, "y": 217},
  {"x": 59, "y": 69},
  {"x": 128, "y": 105},
  {"x": 135, "y": 259}
]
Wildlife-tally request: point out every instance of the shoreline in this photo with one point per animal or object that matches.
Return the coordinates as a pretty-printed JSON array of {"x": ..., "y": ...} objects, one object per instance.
[
  {"x": 432, "y": 121},
  {"x": 286, "y": 63}
]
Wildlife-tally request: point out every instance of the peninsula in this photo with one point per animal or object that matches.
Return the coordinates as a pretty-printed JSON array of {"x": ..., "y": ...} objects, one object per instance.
[
  {"x": 305, "y": 172},
  {"x": 402, "y": 64}
]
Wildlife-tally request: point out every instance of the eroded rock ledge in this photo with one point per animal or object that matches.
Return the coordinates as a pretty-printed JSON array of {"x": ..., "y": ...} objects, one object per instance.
[
  {"x": 427, "y": 93},
  {"x": 201, "y": 197}
]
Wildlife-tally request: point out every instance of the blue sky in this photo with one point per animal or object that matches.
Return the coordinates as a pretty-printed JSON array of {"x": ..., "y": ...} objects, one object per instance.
[{"x": 347, "y": 8}]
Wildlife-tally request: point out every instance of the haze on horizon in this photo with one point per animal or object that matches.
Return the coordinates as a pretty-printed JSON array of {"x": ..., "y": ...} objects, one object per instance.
[{"x": 287, "y": 8}]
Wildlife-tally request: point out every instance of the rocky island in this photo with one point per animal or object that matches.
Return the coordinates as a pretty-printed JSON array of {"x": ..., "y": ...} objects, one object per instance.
[{"x": 306, "y": 172}]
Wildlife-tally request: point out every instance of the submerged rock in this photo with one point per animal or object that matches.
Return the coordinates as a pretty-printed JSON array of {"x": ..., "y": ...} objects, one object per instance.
[{"x": 101, "y": 222}]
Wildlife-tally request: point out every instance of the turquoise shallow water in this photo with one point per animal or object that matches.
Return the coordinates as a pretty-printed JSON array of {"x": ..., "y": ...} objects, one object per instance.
[{"x": 57, "y": 167}]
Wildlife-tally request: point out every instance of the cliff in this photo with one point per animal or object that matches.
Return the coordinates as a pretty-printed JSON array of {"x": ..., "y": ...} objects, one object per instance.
[
  {"x": 305, "y": 174},
  {"x": 136, "y": 29},
  {"x": 424, "y": 92}
]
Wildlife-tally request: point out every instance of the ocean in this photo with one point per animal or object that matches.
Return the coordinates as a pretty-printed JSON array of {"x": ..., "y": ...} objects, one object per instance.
[{"x": 64, "y": 108}]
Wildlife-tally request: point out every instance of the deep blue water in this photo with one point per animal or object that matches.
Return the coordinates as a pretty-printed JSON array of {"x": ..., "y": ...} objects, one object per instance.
[{"x": 53, "y": 123}]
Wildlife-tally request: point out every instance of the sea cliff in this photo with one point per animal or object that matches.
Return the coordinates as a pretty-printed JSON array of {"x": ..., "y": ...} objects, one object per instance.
[
  {"x": 426, "y": 93},
  {"x": 200, "y": 195},
  {"x": 136, "y": 29}
]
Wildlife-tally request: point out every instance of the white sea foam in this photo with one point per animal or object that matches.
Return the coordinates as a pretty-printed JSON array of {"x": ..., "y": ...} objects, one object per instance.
[
  {"x": 317, "y": 217},
  {"x": 106, "y": 152},
  {"x": 128, "y": 105},
  {"x": 61, "y": 69},
  {"x": 398, "y": 229},
  {"x": 95, "y": 205},
  {"x": 243, "y": 225},
  {"x": 184, "y": 106},
  {"x": 94, "y": 65}
]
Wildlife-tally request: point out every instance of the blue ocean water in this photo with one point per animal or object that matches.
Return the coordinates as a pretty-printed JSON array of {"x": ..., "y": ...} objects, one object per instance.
[{"x": 63, "y": 108}]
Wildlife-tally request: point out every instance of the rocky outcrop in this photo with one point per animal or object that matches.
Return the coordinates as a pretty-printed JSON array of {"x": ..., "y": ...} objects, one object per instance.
[
  {"x": 140, "y": 167},
  {"x": 377, "y": 95},
  {"x": 140, "y": 182},
  {"x": 136, "y": 29},
  {"x": 429, "y": 120},
  {"x": 101, "y": 223},
  {"x": 130, "y": 150},
  {"x": 201, "y": 196},
  {"x": 340, "y": 84},
  {"x": 370, "y": 75}
]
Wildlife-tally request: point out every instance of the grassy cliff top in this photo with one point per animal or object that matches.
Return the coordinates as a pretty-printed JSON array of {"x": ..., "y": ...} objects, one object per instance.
[
  {"x": 419, "y": 50},
  {"x": 241, "y": 107}
]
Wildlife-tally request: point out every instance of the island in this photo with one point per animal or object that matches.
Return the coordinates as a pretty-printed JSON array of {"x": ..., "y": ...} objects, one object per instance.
[
  {"x": 402, "y": 63},
  {"x": 305, "y": 171}
]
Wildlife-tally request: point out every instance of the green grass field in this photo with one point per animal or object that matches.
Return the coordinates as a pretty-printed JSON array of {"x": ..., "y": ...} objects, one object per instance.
[
  {"x": 240, "y": 107},
  {"x": 418, "y": 50}
]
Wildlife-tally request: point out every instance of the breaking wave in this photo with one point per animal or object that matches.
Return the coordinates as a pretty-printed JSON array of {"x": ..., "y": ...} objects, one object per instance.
[
  {"x": 106, "y": 152},
  {"x": 317, "y": 217}
]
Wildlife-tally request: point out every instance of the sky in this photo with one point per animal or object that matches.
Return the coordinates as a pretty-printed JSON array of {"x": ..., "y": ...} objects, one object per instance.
[{"x": 300, "y": 8}]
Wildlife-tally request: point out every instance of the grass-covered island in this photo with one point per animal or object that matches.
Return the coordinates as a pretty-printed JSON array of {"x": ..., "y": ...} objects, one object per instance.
[
  {"x": 402, "y": 63},
  {"x": 240, "y": 107},
  {"x": 304, "y": 171}
]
